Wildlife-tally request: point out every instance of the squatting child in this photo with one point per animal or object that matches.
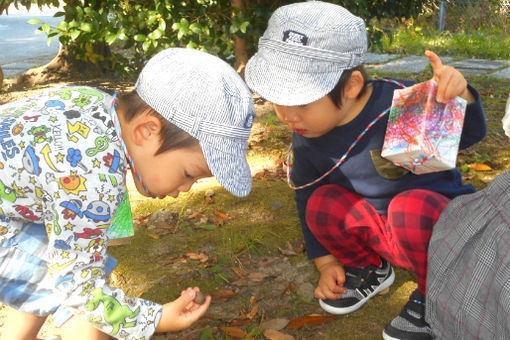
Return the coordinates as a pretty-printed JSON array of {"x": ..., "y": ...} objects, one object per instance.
[
  {"x": 63, "y": 166},
  {"x": 358, "y": 211}
]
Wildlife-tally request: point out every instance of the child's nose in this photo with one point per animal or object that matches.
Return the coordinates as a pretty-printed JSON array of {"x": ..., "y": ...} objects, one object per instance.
[{"x": 291, "y": 116}]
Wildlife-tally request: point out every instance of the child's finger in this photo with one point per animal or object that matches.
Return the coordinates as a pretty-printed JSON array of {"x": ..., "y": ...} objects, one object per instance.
[
  {"x": 444, "y": 87},
  {"x": 435, "y": 62},
  {"x": 185, "y": 301}
]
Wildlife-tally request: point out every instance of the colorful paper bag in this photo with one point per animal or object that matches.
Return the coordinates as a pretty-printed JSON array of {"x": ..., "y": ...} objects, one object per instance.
[{"x": 423, "y": 135}]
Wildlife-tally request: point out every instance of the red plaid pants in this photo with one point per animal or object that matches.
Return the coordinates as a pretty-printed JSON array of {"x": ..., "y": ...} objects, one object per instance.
[{"x": 351, "y": 229}]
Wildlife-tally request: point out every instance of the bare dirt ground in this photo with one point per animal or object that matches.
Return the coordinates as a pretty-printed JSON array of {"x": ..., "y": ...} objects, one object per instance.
[{"x": 248, "y": 253}]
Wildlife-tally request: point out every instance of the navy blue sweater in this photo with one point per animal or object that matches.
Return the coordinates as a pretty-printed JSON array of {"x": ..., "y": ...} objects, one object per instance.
[{"x": 377, "y": 182}]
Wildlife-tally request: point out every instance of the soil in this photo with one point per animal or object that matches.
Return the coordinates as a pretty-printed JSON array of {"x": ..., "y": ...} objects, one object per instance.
[{"x": 248, "y": 253}]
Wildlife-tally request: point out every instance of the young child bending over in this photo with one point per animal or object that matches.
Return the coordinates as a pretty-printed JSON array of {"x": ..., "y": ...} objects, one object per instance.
[
  {"x": 358, "y": 212},
  {"x": 63, "y": 167}
]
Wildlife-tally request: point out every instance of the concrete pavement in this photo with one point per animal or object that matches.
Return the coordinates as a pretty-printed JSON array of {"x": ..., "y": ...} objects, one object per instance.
[{"x": 394, "y": 63}]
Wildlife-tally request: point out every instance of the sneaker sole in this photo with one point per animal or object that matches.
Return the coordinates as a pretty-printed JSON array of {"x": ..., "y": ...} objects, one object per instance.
[
  {"x": 347, "y": 310},
  {"x": 387, "y": 337}
]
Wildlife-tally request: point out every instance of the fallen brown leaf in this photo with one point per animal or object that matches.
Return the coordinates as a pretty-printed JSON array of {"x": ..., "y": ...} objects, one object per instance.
[
  {"x": 480, "y": 167},
  {"x": 220, "y": 214},
  {"x": 257, "y": 276},
  {"x": 290, "y": 287},
  {"x": 197, "y": 257},
  {"x": 275, "y": 324},
  {"x": 234, "y": 332},
  {"x": 266, "y": 262},
  {"x": 244, "y": 322},
  {"x": 309, "y": 320},
  {"x": 240, "y": 271},
  {"x": 272, "y": 334},
  {"x": 223, "y": 294},
  {"x": 253, "y": 312}
]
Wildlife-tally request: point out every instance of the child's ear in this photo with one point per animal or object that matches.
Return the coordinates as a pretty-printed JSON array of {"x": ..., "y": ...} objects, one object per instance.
[
  {"x": 354, "y": 85},
  {"x": 145, "y": 128}
]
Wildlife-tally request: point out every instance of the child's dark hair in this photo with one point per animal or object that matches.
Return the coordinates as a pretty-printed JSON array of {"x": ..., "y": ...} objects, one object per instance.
[
  {"x": 171, "y": 136},
  {"x": 336, "y": 93}
]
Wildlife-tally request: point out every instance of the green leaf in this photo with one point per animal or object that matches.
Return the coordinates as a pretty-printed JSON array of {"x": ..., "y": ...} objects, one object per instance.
[
  {"x": 75, "y": 34},
  {"x": 152, "y": 18},
  {"x": 162, "y": 24},
  {"x": 195, "y": 27},
  {"x": 146, "y": 45},
  {"x": 243, "y": 26},
  {"x": 62, "y": 25},
  {"x": 59, "y": 14},
  {"x": 207, "y": 226},
  {"x": 188, "y": 229},
  {"x": 123, "y": 36},
  {"x": 156, "y": 34},
  {"x": 110, "y": 38},
  {"x": 86, "y": 27},
  {"x": 184, "y": 23},
  {"x": 140, "y": 37},
  {"x": 45, "y": 28},
  {"x": 34, "y": 21}
]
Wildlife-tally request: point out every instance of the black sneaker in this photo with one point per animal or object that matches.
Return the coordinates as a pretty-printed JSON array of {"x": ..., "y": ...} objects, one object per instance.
[
  {"x": 361, "y": 284},
  {"x": 410, "y": 323}
]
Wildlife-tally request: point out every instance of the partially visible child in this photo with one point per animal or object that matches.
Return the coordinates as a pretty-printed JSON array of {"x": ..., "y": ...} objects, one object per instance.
[
  {"x": 358, "y": 212},
  {"x": 468, "y": 281},
  {"x": 64, "y": 155}
]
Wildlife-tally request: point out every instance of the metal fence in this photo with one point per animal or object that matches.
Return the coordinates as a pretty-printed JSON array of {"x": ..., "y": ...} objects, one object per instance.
[{"x": 471, "y": 15}]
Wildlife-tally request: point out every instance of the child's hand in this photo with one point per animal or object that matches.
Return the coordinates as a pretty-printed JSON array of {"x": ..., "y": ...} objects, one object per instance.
[
  {"x": 450, "y": 82},
  {"x": 182, "y": 312},
  {"x": 331, "y": 281}
]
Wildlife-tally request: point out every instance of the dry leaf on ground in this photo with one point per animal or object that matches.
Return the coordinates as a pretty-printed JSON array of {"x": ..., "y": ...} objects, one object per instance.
[
  {"x": 234, "y": 332},
  {"x": 275, "y": 324},
  {"x": 309, "y": 320},
  {"x": 480, "y": 167},
  {"x": 223, "y": 294},
  {"x": 272, "y": 334}
]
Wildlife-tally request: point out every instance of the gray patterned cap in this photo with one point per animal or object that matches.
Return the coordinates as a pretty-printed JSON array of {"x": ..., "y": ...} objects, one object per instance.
[
  {"x": 204, "y": 96},
  {"x": 304, "y": 51}
]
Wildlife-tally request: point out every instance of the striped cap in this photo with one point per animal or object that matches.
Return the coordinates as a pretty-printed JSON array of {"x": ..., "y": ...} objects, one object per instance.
[
  {"x": 304, "y": 51},
  {"x": 204, "y": 96}
]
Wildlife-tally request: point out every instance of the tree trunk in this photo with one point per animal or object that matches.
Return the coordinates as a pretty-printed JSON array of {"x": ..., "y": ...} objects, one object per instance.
[
  {"x": 240, "y": 51},
  {"x": 64, "y": 65}
]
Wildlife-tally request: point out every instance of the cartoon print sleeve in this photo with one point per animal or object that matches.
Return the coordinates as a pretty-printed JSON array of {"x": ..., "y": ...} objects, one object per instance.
[{"x": 83, "y": 206}]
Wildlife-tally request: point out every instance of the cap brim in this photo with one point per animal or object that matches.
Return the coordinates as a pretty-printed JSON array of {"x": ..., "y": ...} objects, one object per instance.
[
  {"x": 286, "y": 79},
  {"x": 230, "y": 168}
]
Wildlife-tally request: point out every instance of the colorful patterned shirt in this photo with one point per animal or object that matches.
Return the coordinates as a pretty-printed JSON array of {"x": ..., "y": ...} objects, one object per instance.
[{"x": 62, "y": 166}]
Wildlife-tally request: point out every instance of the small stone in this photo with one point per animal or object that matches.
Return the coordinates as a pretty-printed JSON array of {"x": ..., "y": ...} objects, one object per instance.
[{"x": 199, "y": 298}]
